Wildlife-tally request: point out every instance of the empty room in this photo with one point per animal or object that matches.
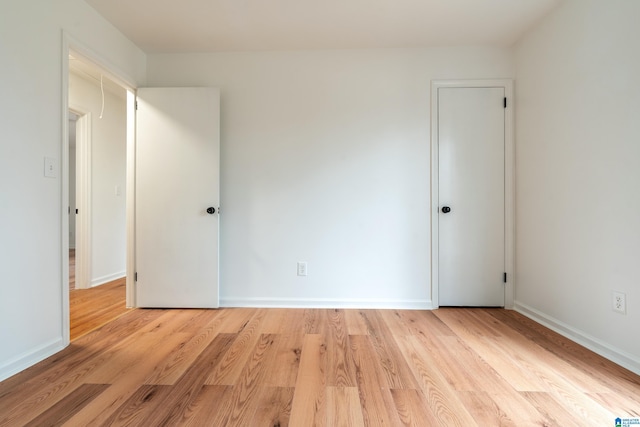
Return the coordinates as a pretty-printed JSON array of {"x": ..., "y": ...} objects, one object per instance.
[{"x": 409, "y": 212}]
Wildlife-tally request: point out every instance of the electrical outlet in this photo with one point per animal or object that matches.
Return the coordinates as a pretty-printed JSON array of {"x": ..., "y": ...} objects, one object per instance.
[
  {"x": 619, "y": 302},
  {"x": 302, "y": 268}
]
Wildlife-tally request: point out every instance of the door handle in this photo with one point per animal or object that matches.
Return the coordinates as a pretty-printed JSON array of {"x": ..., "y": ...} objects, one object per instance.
[
  {"x": 211, "y": 210},
  {"x": 446, "y": 209}
]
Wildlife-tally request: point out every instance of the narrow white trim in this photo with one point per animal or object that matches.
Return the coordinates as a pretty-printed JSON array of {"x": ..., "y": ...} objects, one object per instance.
[
  {"x": 108, "y": 278},
  {"x": 65, "y": 331},
  {"x": 83, "y": 196},
  {"x": 131, "y": 200},
  {"x": 509, "y": 196},
  {"x": 614, "y": 354},
  {"x": 371, "y": 303},
  {"x": 31, "y": 357}
]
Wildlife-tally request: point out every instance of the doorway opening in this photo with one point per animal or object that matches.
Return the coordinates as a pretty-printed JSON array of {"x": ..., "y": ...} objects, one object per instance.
[{"x": 97, "y": 209}]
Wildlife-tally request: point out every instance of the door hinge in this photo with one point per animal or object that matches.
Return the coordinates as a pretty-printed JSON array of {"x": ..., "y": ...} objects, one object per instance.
[
  {"x": 505, "y": 102},
  {"x": 505, "y": 278},
  {"x": 135, "y": 276},
  {"x": 135, "y": 105}
]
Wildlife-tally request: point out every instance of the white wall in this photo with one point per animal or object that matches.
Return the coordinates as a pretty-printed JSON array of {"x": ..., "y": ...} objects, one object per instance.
[
  {"x": 578, "y": 179},
  {"x": 325, "y": 159},
  {"x": 108, "y": 170},
  {"x": 31, "y": 117}
]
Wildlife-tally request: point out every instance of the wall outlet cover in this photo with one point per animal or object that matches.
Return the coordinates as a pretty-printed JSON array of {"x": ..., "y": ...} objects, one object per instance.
[
  {"x": 619, "y": 302},
  {"x": 302, "y": 268}
]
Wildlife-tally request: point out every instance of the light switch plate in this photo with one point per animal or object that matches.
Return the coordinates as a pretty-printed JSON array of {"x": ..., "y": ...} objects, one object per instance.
[{"x": 50, "y": 167}]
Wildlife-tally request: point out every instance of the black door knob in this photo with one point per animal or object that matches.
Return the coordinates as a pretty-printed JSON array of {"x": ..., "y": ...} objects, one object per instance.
[
  {"x": 211, "y": 210},
  {"x": 446, "y": 209}
]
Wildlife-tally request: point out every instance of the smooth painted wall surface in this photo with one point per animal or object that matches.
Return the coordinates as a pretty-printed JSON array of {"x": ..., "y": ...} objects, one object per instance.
[
  {"x": 108, "y": 170},
  {"x": 31, "y": 117},
  {"x": 578, "y": 179},
  {"x": 325, "y": 159}
]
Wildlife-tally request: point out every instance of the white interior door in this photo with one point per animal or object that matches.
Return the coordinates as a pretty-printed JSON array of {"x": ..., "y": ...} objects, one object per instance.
[
  {"x": 177, "y": 181},
  {"x": 471, "y": 196}
]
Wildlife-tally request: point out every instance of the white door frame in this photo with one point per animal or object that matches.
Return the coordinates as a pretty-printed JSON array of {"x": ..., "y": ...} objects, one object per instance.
[
  {"x": 86, "y": 54},
  {"x": 509, "y": 182}
]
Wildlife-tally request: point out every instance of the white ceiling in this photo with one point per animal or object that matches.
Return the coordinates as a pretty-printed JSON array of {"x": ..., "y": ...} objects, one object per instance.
[{"x": 172, "y": 26}]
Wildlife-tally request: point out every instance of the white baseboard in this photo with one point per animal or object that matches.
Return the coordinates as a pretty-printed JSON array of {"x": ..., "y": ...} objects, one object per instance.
[
  {"x": 594, "y": 344},
  {"x": 30, "y": 358},
  {"x": 106, "y": 279},
  {"x": 327, "y": 303}
]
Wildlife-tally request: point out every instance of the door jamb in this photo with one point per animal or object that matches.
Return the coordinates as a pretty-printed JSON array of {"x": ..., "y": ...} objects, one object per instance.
[{"x": 509, "y": 182}]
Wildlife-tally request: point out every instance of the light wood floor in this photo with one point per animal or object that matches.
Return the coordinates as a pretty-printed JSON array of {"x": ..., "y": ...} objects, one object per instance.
[
  {"x": 94, "y": 307},
  {"x": 278, "y": 367}
]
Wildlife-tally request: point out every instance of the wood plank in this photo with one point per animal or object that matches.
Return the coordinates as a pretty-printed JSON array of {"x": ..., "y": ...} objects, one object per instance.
[
  {"x": 140, "y": 405},
  {"x": 244, "y": 399},
  {"x": 343, "y": 407},
  {"x": 274, "y": 407},
  {"x": 396, "y": 371},
  {"x": 375, "y": 398},
  {"x": 228, "y": 371},
  {"x": 184, "y": 356},
  {"x": 127, "y": 378},
  {"x": 284, "y": 367},
  {"x": 413, "y": 408},
  {"x": 275, "y": 320},
  {"x": 59, "y": 413},
  {"x": 486, "y": 412},
  {"x": 489, "y": 409},
  {"x": 189, "y": 385},
  {"x": 456, "y": 361},
  {"x": 91, "y": 308},
  {"x": 207, "y": 409},
  {"x": 312, "y": 321},
  {"x": 440, "y": 396},
  {"x": 508, "y": 365},
  {"x": 309, "y": 401},
  {"x": 340, "y": 367},
  {"x": 421, "y": 322},
  {"x": 618, "y": 403},
  {"x": 558, "y": 414},
  {"x": 355, "y": 322}
]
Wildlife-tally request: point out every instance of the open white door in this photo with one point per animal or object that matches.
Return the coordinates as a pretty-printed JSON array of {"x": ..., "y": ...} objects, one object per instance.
[{"x": 177, "y": 191}]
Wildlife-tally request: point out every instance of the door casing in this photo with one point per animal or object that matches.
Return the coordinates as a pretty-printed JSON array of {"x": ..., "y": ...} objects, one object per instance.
[{"x": 509, "y": 182}]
